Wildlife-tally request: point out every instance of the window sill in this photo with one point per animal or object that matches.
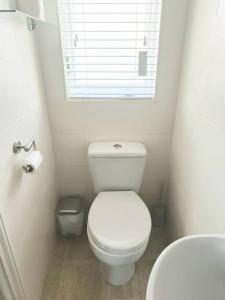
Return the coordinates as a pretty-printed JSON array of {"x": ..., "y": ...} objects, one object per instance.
[{"x": 111, "y": 99}]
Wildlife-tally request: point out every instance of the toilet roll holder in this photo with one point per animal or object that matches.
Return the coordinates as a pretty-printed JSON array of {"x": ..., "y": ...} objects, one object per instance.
[{"x": 17, "y": 147}]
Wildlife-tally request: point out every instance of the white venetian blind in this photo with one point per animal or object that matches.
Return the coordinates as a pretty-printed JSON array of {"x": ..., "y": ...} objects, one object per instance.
[{"x": 110, "y": 47}]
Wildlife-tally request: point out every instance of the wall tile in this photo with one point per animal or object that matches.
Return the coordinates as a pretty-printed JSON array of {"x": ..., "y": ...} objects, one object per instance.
[
  {"x": 27, "y": 202},
  {"x": 72, "y": 181},
  {"x": 70, "y": 150},
  {"x": 110, "y": 118},
  {"x": 196, "y": 186}
]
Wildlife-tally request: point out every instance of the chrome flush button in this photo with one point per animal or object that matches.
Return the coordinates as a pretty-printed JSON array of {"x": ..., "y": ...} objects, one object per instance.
[{"x": 117, "y": 146}]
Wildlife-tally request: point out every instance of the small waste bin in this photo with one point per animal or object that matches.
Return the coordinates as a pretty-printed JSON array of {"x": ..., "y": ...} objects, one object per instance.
[{"x": 70, "y": 216}]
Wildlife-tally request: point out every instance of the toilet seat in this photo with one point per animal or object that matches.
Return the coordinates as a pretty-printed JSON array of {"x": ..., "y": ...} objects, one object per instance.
[{"x": 119, "y": 222}]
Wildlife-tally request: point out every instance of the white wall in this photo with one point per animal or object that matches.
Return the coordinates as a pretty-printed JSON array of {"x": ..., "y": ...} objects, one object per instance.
[
  {"x": 76, "y": 124},
  {"x": 26, "y": 201},
  {"x": 197, "y": 189}
]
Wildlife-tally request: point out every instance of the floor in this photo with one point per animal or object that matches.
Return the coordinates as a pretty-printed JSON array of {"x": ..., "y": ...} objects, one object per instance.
[{"x": 74, "y": 272}]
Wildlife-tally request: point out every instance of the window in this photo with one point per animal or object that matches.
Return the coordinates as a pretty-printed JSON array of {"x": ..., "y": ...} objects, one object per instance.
[{"x": 110, "y": 47}]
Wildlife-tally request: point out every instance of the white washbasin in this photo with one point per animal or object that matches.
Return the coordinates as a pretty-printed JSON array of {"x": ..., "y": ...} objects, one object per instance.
[{"x": 192, "y": 268}]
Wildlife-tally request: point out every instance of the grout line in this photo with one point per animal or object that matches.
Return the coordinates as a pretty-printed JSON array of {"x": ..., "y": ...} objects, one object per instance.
[{"x": 106, "y": 134}]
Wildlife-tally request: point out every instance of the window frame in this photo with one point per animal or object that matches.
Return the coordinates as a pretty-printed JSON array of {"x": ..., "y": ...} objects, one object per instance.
[{"x": 107, "y": 99}]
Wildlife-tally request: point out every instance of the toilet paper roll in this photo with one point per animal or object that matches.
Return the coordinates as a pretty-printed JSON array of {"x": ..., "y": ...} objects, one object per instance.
[{"x": 32, "y": 162}]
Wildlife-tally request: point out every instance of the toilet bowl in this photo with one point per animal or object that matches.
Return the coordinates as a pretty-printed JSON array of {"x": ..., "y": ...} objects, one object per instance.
[{"x": 119, "y": 226}]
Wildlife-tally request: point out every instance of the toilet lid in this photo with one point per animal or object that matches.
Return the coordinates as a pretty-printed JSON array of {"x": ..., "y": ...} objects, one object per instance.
[{"x": 119, "y": 221}]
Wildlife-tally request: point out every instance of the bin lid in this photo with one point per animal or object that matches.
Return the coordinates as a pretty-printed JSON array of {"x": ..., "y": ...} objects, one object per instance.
[{"x": 69, "y": 205}]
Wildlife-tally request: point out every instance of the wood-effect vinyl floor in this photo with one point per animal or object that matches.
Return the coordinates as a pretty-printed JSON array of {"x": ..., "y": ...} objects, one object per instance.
[{"x": 74, "y": 272}]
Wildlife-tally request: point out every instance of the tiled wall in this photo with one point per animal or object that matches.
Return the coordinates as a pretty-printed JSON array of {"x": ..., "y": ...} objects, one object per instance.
[
  {"x": 76, "y": 124},
  {"x": 197, "y": 189},
  {"x": 27, "y": 202}
]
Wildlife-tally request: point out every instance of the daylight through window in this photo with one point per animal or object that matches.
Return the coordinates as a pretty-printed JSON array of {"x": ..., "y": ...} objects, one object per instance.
[{"x": 110, "y": 47}]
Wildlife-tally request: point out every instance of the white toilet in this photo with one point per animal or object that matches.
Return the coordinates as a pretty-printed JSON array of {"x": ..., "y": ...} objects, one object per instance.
[{"x": 119, "y": 223}]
